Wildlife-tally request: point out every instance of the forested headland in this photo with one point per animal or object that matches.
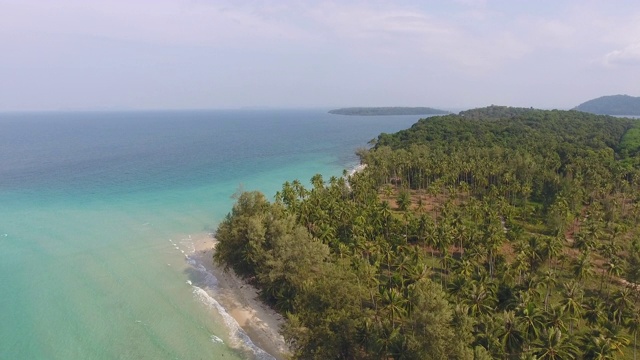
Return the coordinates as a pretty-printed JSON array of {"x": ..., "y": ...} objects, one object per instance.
[
  {"x": 382, "y": 111},
  {"x": 612, "y": 105},
  {"x": 497, "y": 233}
]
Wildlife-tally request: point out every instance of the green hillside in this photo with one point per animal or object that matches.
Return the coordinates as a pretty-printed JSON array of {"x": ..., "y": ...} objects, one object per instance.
[
  {"x": 612, "y": 105},
  {"x": 498, "y": 233}
]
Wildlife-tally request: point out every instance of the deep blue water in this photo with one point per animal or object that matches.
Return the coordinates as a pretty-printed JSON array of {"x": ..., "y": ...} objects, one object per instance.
[{"x": 88, "y": 201}]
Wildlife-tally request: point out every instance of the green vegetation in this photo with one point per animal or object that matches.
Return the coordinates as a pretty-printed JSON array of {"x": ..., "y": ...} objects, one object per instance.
[
  {"x": 380, "y": 111},
  {"x": 612, "y": 105},
  {"x": 498, "y": 233},
  {"x": 630, "y": 144}
]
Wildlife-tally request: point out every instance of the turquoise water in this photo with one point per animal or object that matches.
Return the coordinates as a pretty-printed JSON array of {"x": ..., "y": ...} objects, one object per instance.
[{"x": 89, "y": 202}]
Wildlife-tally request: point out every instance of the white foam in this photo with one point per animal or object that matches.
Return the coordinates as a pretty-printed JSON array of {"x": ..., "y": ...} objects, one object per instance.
[
  {"x": 189, "y": 282},
  {"x": 188, "y": 244},
  {"x": 239, "y": 338},
  {"x": 216, "y": 339},
  {"x": 357, "y": 169},
  {"x": 210, "y": 281}
]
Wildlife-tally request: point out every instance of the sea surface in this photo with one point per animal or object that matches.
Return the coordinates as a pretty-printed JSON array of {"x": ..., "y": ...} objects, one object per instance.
[{"x": 96, "y": 210}]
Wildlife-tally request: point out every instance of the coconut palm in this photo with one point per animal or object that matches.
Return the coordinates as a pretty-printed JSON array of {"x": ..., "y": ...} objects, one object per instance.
[
  {"x": 479, "y": 299},
  {"x": 570, "y": 302},
  {"x": 622, "y": 304},
  {"x": 531, "y": 320},
  {"x": 602, "y": 346},
  {"x": 549, "y": 280},
  {"x": 582, "y": 267},
  {"x": 511, "y": 337},
  {"x": 633, "y": 325},
  {"x": 394, "y": 303},
  {"x": 593, "y": 311},
  {"x": 553, "y": 344}
]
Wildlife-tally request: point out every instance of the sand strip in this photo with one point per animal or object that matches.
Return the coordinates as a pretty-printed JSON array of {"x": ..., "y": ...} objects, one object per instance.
[{"x": 241, "y": 301}]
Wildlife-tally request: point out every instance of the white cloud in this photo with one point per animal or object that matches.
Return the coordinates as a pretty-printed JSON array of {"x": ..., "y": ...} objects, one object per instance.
[
  {"x": 167, "y": 22},
  {"x": 630, "y": 55},
  {"x": 475, "y": 50}
]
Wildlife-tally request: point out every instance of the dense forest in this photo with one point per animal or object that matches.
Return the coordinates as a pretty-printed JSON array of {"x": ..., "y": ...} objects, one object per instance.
[
  {"x": 497, "y": 233},
  {"x": 612, "y": 105},
  {"x": 380, "y": 111}
]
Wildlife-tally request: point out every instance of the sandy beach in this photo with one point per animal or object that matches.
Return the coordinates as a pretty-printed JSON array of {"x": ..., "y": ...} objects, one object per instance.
[{"x": 241, "y": 301}]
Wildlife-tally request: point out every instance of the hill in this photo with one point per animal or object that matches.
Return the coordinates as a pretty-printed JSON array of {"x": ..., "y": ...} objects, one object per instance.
[
  {"x": 382, "y": 111},
  {"x": 612, "y": 105}
]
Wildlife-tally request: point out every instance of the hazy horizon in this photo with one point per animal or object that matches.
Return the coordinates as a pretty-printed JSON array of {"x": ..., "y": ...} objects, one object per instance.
[{"x": 68, "y": 55}]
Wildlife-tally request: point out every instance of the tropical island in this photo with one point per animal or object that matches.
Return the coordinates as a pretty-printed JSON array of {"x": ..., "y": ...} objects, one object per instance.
[
  {"x": 612, "y": 105},
  {"x": 385, "y": 111},
  {"x": 497, "y": 233}
]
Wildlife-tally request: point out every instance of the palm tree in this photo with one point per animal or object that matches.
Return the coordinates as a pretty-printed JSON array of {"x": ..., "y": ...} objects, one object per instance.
[
  {"x": 479, "y": 299},
  {"x": 602, "y": 346},
  {"x": 633, "y": 325},
  {"x": 582, "y": 267},
  {"x": 621, "y": 305},
  {"x": 531, "y": 320},
  {"x": 613, "y": 269},
  {"x": 511, "y": 337},
  {"x": 594, "y": 312},
  {"x": 570, "y": 302},
  {"x": 486, "y": 330},
  {"x": 457, "y": 287},
  {"x": 394, "y": 304},
  {"x": 549, "y": 281},
  {"x": 553, "y": 247},
  {"x": 553, "y": 345},
  {"x": 555, "y": 317}
]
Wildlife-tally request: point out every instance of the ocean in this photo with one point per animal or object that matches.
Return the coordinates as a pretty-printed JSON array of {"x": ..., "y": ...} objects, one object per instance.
[{"x": 95, "y": 205}]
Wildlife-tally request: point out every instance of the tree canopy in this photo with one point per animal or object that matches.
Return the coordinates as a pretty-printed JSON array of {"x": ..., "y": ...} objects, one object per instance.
[{"x": 496, "y": 233}]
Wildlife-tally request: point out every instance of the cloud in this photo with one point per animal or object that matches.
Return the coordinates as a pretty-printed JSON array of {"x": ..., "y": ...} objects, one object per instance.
[
  {"x": 630, "y": 55},
  {"x": 426, "y": 35},
  {"x": 163, "y": 22}
]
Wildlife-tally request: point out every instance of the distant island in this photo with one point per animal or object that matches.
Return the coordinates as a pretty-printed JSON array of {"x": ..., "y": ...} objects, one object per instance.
[
  {"x": 612, "y": 105},
  {"x": 381, "y": 111}
]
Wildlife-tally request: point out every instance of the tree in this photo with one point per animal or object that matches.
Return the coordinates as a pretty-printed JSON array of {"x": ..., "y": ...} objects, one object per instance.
[
  {"x": 602, "y": 346},
  {"x": 553, "y": 344},
  {"x": 512, "y": 337},
  {"x": 570, "y": 302},
  {"x": 531, "y": 320},
  {"x": 593, "y": 311},
  {"x": 479, "y": 299},
  {"x": 404, "y": 200},
  {"x": 621, "y": 305},
  {"x": 431, "y": 321},
  {"x": 633, "y": 325}
]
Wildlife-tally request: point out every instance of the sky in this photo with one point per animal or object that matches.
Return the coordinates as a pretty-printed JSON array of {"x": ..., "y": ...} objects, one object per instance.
[{"x": 195, "y": 54}]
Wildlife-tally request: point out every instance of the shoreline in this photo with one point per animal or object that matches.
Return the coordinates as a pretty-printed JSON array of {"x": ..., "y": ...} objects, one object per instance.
[{"x": 241, "y": 301}]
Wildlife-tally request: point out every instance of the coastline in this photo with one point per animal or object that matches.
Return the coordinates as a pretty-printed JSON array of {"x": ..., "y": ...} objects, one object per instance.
[
  {"x": 241, "y": 300},
  {"x": 357, "y": 169}
]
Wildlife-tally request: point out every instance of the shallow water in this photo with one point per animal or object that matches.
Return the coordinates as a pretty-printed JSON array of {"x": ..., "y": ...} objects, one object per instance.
[{"x": 89, "y": 202}]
